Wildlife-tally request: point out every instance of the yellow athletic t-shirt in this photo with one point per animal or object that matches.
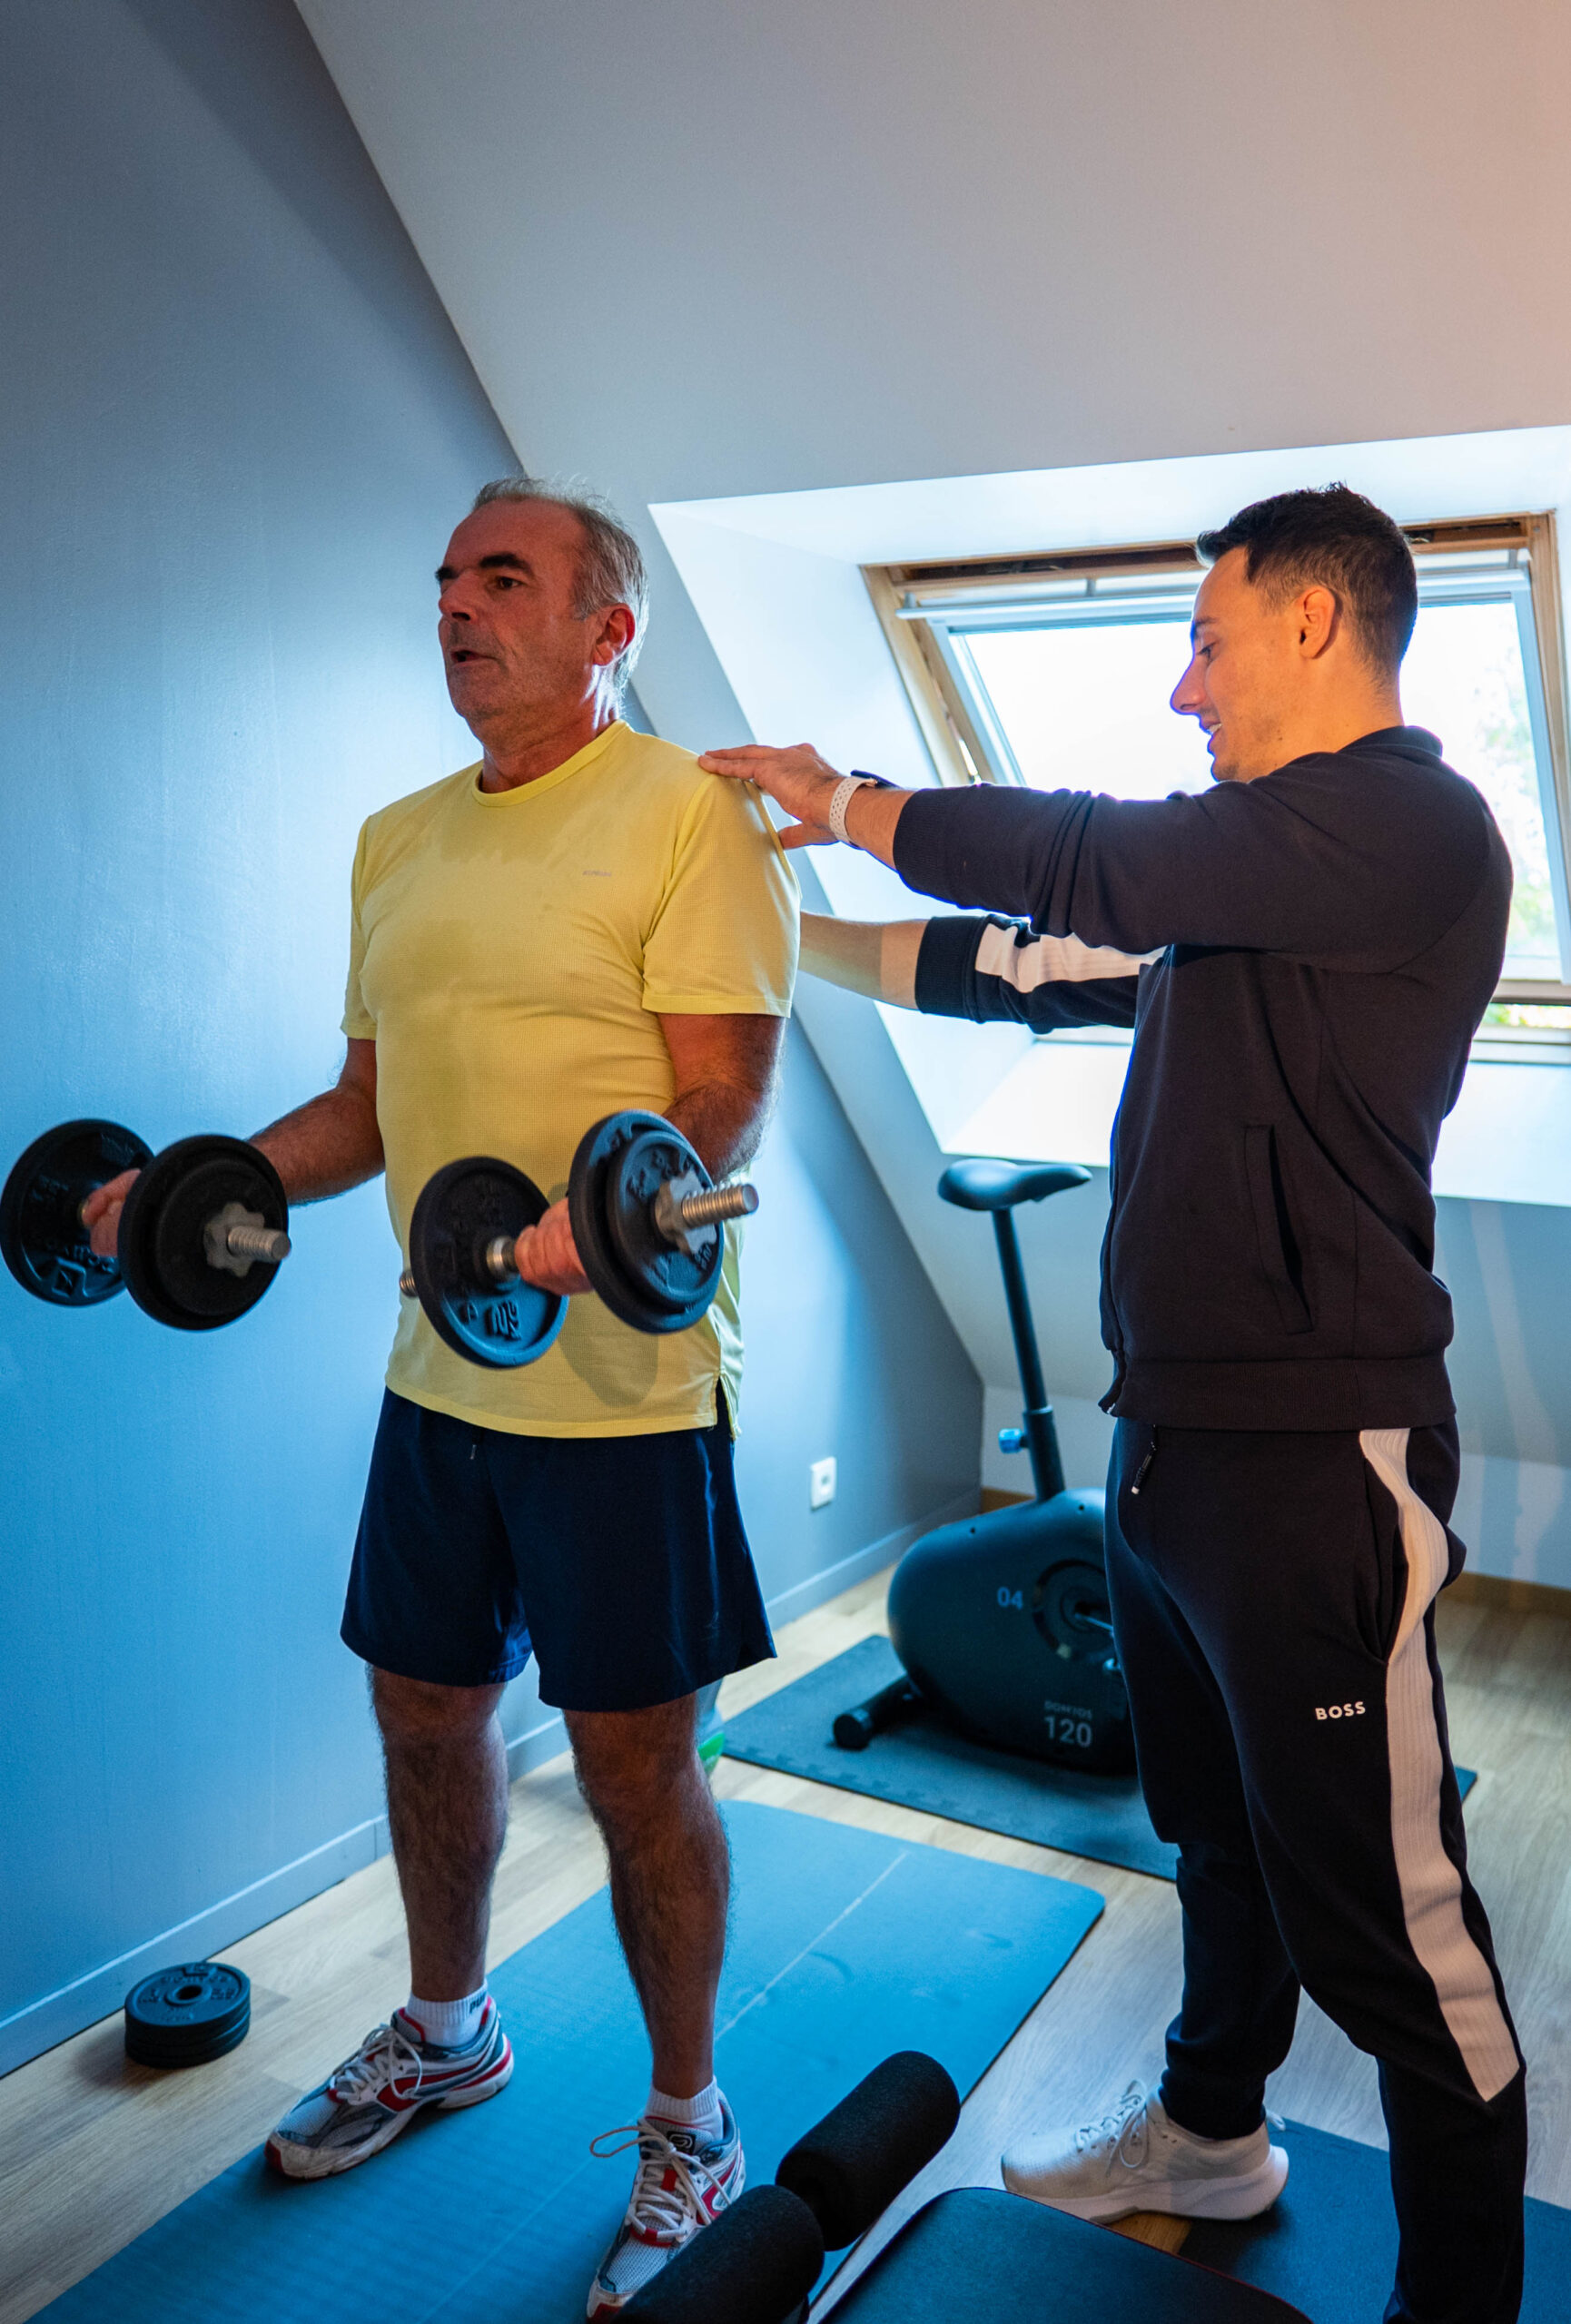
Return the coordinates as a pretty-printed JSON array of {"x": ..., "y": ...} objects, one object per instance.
[{"x": 510, "y": 953}]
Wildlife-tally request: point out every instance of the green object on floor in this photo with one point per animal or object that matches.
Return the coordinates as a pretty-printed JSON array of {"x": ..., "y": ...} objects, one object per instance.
[{"x": 711, "y": 1734}]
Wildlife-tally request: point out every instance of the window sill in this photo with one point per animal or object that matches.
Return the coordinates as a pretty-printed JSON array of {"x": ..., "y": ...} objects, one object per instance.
[
  {"x": 1510, "y": 1048},
  {"x": 1493, "y": 1046}
]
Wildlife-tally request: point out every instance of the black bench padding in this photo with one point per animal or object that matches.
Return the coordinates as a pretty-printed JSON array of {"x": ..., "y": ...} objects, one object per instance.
[{"x": 979, "y": 2252}]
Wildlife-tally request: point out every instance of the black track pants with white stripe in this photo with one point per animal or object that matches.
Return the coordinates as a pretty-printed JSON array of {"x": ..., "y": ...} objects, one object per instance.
[{"x": 1272, "y": 1598}]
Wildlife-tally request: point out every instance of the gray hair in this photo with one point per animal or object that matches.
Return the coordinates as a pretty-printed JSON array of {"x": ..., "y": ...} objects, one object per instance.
[{"x": 611, "y": 570}]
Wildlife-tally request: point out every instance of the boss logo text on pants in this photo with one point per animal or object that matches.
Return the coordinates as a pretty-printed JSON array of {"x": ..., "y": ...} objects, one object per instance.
[{"x": 1340, "y": 1710}]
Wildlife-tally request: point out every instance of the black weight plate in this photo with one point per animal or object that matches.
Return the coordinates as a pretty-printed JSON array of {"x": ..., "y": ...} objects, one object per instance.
[
  {"x": 460, "y": 1211},
  {"x": 185, "y": 2015},
  {"x": 42, "y": 1237},
  {"x": 679, "y": 1284},
  {"x": 1069, "y": 1608},
  {"x": 587, "y": 1214},
  {"x": 619, "y": 1169},
  {"x": 162, "y": 1256}
]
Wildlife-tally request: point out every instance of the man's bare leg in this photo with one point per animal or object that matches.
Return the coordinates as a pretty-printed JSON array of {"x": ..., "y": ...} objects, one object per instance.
[
  {"x": 447, "y": 1788},
  {"x": 447, "y": 1791},
  {"x": 670, "y": 1875}
]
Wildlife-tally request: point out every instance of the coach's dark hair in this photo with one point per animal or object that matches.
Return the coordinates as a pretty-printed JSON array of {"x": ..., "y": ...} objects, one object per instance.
[{"x": 1338, "y": 538}]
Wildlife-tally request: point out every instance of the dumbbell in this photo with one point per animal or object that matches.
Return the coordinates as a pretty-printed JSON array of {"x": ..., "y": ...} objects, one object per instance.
[
  {"x": 896, "y": 1705},
  {"x": 202, "y": 1236},
  {"x": 648, "y": 1219}
]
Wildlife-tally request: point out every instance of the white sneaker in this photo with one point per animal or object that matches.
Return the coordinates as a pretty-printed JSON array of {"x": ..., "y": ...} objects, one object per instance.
[
  {"x": 365, "y": 2101},
  {"x": 1137, "y": 2160},
  {"x": 682, "y": 2182}
]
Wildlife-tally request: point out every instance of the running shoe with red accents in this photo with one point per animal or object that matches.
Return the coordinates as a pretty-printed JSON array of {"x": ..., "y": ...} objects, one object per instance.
[
  {"x": 682, "y": 2182},
  {"x": 365, "y": 2101}
]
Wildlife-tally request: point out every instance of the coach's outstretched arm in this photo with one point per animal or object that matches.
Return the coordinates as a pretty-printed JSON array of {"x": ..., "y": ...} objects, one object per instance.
[
  {"x": 992, "y": 970},
  {"x": 1303, "y": 864},
  {"x": 877, "y": 958}
]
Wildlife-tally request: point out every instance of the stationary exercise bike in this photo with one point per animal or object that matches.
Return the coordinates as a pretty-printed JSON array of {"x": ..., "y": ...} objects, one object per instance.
[{"x": 1002, "y": 1621}]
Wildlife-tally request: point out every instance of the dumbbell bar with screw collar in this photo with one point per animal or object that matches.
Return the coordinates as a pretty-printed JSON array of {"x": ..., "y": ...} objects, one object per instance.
[
  {"x": 202, "y": 1236},
  {"x": 647, "y": 1220}
]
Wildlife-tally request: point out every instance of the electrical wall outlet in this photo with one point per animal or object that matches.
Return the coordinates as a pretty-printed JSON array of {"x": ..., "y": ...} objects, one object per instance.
[{"x": 821, "y": 1483}]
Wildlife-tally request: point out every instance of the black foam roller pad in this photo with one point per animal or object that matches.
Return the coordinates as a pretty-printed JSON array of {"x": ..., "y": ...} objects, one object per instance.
[
  {"x": 754, "y": 2265},
  {"x": 851, "y": 2166}
]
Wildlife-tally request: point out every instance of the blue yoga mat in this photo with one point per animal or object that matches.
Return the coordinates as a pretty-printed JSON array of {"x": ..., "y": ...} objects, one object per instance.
[
  {"x": 927, "y": 1767},
  {"x": 1329, "y": 2245},
  {"x": 846, "y": 1946}
]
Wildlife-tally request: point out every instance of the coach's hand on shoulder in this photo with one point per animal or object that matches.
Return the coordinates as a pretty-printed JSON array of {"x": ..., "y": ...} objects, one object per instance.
[
  {"x": 802, "y": 782},
  {"x": 548, "y": 1257}
]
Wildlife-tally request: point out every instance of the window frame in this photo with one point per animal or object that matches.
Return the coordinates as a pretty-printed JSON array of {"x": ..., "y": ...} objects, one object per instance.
[{"x": 966, "y": 746}]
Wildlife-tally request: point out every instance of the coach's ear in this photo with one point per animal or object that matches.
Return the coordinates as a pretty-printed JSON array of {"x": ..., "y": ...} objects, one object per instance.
[{"x": 1318, "y": 621}]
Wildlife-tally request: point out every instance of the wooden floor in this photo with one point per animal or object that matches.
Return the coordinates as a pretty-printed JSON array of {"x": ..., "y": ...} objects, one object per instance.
[{"x": 92, "y": 2150}]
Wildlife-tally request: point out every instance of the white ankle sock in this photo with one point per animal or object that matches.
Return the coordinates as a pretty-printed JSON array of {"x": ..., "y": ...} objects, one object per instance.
[
  {"x": 449, "y": 2024},
  {"x": 701, "y": 2113}
]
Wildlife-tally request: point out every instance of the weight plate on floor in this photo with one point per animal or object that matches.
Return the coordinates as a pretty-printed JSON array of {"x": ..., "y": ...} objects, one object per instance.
[
  {"x": 620, "y": 1166},
  {"x": 460, "y": 1210},
  {"x": 186, "y": 2015},
  {"x": 163, "y": 1254},
  {"x": 1069, "y": 1608},
  {"x": 42, "y": 1237}
]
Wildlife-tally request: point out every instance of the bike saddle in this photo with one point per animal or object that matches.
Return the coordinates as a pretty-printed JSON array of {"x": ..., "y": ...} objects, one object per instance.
[{"x": 984, "y": 1184}]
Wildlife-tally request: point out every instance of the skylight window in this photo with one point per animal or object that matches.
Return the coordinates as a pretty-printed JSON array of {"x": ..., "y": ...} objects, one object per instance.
[
  {"x": 1464, "y": 679},
  {"x": 1055, "y": 672},
  {"x": 1085, "y": 708}
]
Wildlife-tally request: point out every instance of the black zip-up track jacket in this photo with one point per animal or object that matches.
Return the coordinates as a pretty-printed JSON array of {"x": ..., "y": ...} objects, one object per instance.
[{"x": 1327, "y": 940}]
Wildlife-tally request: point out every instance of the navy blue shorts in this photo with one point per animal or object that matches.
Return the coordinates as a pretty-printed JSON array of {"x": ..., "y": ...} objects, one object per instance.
[{"x": 620, "y": 1561}]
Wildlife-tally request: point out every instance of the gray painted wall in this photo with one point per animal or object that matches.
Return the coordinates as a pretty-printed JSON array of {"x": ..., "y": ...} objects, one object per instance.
[{"x": 237, "y": 425}]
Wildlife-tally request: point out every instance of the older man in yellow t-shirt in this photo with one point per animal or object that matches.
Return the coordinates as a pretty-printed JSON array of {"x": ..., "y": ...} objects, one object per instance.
[{"x": 583, "y": 921}]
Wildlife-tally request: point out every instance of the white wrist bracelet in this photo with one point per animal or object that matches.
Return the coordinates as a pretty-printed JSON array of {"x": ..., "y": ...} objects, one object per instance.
[{"x": 840, "y": 802}]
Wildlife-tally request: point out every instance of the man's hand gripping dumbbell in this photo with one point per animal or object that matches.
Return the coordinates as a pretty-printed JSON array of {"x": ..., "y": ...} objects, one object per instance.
[
  {"x": 493, "y": 1264},
  {"x": 195, "y": 1234}
]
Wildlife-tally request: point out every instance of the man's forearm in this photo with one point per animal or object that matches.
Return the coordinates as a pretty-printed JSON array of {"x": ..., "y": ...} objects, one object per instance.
[
  {"x": 726, "y": 1122},
  {"x": 872, "y": 813},
  {"x": 325, "y": 1147},
  {"x": 876, "y": 959}
]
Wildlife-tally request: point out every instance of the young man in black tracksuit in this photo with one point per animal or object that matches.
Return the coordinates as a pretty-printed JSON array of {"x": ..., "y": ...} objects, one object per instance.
[{"x": 1304, "y": 953}]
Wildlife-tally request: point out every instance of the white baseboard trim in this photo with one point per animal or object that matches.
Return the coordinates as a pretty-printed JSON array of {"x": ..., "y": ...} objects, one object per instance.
[
  {"x": 28, "y": 2031},
  {"x": 802, "y": 1596},
  {"x": 538, "y": 1744}
]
